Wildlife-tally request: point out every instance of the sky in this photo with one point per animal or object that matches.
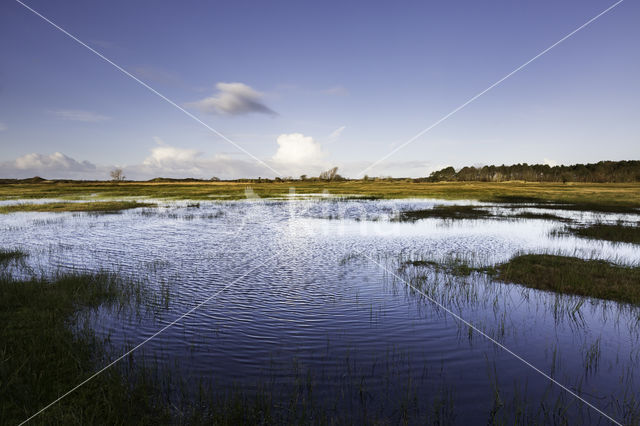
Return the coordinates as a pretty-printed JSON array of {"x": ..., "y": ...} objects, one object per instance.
[{"x": 265, "y": 89}]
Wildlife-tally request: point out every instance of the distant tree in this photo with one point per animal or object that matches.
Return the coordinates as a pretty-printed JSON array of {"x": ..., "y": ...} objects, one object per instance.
[
  {"x": 448, "y": 173},
  {"x": 215, "y": 179},
  {"x": 303, "y": 177},
  {"x": 329, "y": 174},
  {"x": 117, "y": 175},
  {"x": 604, "y": 171}
]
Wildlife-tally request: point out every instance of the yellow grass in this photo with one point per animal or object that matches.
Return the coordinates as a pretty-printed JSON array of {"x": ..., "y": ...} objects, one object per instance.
[{"x": 618, "y": 194}]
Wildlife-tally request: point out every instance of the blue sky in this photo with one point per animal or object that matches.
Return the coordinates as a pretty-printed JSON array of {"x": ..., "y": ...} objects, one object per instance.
[{"x": 303, "y": 86}]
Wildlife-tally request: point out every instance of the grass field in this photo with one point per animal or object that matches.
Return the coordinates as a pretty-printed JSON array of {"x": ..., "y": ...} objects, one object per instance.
[{"x": 605, "y": 194}]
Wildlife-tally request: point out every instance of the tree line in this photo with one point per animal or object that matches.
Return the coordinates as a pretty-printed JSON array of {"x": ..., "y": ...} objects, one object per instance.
[{"x": 603, "y": 171}]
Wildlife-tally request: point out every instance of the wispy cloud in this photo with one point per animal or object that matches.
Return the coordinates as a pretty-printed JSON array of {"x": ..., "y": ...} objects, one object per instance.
[
  {"x": 335, "y": 135},
  {"x": 336, "y": 91},
  {"x": 79, "y": 115},
  {"x": 233, "y": 99}
]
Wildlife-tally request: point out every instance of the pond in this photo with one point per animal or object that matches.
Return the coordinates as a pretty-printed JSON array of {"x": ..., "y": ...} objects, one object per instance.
[{"x": 312, "y": 298}]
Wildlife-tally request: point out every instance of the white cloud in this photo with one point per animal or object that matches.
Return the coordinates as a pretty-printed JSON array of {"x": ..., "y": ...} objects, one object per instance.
[
  {"x": 296, "y": 154},
  {"x": 165, "y": 156},
  {"x": 551, "y": 163},
  {"x": 56, "y": 165},
  {"x": 171, "y": 161},
  {"x": 79, "y": 115},
  {"x": 335, "y": 135},
  {"x": 233, "y": 99},
  {"x": 53, "y": 161},
  {"x": 299, "y": 154},
  {"x": 298, "y": 149}
]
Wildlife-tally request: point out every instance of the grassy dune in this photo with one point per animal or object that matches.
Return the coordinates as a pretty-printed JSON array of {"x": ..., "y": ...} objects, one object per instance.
[{"x": 605, "y": 194}]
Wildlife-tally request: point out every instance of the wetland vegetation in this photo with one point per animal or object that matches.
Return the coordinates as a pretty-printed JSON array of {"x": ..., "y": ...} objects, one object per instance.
[
  {"x": 618, "y": 232},
  {"x": 45, "y": 350},
  {"x": 570, "y": 275},
  {"x": 97, "y": 207},
  {"x": 560, "y": 274},
  {"x": 623, "y": 197}
]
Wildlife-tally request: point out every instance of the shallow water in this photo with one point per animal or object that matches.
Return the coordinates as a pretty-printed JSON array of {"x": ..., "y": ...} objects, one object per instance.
[{"x": 296, "y": 298}]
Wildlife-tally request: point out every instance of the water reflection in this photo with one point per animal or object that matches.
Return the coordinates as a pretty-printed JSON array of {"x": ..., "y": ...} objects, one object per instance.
[{"x": 318, "y": 312}]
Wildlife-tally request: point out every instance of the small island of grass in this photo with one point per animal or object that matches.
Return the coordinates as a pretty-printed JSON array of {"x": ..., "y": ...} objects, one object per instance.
[
  {"x": 560, "y": 274},
  {"x": 95, "y": 206}
]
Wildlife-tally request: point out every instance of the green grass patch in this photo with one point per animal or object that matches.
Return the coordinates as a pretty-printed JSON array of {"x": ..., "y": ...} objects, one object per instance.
[
  {"x": 608, "y": 232},
  {"x": 560, "y": 274},
  {"x": 97, "y": 207},
  {"x": 543, "y": 216},
  {"x": 571, "y": 275},
  {"x": 445, "y": 212},
  {"x": 469, "y": 212}
]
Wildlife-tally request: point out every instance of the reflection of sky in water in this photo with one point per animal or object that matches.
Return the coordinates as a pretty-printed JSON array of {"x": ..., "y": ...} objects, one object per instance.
[{"x": 317, "y": 303}]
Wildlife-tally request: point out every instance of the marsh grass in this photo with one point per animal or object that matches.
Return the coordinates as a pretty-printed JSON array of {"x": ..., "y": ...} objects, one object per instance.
[
  {"x": 445, "y": 212},
  {"x": 94, "y": 207},
  {"x": 446, "y": 281},
  {"x": 48, "y": 346},
  {"x": 571, "y": 275},
  {"x": 7, "y": 256},
  {"x": 45, "y": 350},
  {"x": 543, "y": 216},
  {"x": 618, "y": 232},
  {"x": 560, "y": 274},
  {"x": 455, "y": 267},
  {"x": 453, "y": 212},
  {"x": 589, "y": 195},
  {"x": 590, "y": 207}
]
